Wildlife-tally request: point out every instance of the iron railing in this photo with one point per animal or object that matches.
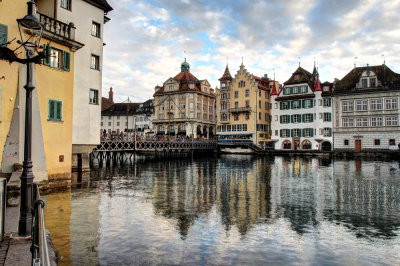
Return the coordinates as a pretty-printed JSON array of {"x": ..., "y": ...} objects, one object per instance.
[{"x": 39, "y": 249}]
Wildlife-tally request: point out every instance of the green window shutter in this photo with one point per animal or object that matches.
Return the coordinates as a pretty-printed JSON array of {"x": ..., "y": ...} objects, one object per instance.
[
  {"x": 311, "y": 103},
  {"x": 291, "y": 133},
  {"x": 312, "y": 132},
  {"x": 291, "y": 90},
  {"x": 280, "y": 119},
  {"x": 51, "y": 110},
  {"x": 303, "y": 103},
  {"x": 280, "y": 105},
  {"x": 291, "y": 119},
  {"x": 329, "y": 117},
  {"x": 281, "y": 133},
  {"x": 303, "y": 132},
  {"x": 3, "y": 35},
  {"x": 59, "y": 110},
  {"x": 67, "y": 61},
  {"x": 300, "y": 133},
  {"x": 47, "y": 50},
  {"x": 330, "y": 132}
]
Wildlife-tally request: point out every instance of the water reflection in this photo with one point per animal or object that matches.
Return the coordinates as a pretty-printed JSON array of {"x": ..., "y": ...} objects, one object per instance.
[{"x": 232, "y": 209}]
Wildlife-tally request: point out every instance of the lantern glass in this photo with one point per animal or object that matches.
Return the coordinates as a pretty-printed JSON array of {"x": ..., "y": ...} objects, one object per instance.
[{"x": 30, "y": 28}]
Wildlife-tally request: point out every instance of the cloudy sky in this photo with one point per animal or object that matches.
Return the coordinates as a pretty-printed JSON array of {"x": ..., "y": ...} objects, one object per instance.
[{"x": 146, "y": 40}]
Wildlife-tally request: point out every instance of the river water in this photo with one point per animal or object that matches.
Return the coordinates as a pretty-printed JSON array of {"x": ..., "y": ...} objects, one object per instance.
[{"x": 231, "y": 209}]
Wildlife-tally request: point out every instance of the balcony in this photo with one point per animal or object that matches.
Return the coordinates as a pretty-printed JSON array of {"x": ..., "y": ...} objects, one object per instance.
[
  {"x": 59, "y": 32},
  {"x": 240, "y": 110}
]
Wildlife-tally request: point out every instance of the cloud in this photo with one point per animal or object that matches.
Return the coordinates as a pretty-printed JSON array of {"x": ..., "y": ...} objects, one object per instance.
[{"x": 146, "y": 40}]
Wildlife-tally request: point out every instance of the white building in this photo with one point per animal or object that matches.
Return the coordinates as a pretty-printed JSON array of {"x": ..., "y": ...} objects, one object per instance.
[
  {"x": 367, "y": 109},
  {"x": 89, "y": 18},
  {"x": 302, "y": 113},
  {"x": 131, "y": 117}
]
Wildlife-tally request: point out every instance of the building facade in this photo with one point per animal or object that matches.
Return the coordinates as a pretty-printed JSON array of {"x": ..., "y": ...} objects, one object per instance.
[
  {"x": 52, "y": 113},
  {"x": 367, "y": 109},
  {"x": 302, "y": 113},
  {"x": 128, "y": 117},
  {"x": 87, "y": 19},
  {"x": 185, "y": 106},
  {"x": 243, "y": 108}
]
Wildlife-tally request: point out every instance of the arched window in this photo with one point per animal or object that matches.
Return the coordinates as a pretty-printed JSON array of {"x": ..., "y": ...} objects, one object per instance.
[
  {"x": 306, "y": 145},
  {"x": 287, "y": 145}
]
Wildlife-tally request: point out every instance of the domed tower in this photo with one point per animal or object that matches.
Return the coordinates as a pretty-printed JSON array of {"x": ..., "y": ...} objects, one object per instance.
[{"x": 185, "y": 67}]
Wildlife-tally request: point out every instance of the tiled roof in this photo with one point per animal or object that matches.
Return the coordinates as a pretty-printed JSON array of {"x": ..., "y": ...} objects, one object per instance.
[
  {"x": 105, "y": 103},
  {"x": 305, "y": 77},
  {"x": 226, "y": 75},
  {"x": 384, "y": 74}
]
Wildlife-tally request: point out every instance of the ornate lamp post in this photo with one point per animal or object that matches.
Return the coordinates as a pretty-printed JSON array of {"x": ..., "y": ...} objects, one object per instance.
[{"x": 31, "y": 31}]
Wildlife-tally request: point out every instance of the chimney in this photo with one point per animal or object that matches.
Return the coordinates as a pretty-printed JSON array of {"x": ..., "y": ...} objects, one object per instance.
[
  {"x": 111, "y": 95},
  {"x": 265, "y": 76}
]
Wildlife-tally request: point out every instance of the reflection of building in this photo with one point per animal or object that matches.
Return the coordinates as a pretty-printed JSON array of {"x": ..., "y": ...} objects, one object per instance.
[
  {"x": 120, "y": 117},
  {"x": 185, "y": 106},
  {"x": 302, "y": 113},
  {"x": 244, "y": 107},
  {"x": 367, "y": 109}
]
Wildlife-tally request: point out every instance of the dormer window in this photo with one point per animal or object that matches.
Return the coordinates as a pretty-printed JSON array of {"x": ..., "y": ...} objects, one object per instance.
[
  {"x": 372, "y": 82},
  {"x": 297, "y": 76},
  {"x": 171, "y": 87},
  {"x": 364, "y": 83},
  {"x": 191, "y": 85},
  {"x": 325, "y": 88}
]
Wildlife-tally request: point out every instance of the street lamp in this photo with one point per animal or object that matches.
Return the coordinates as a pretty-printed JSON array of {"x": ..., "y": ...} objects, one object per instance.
[{"x": 31, "y": 31}]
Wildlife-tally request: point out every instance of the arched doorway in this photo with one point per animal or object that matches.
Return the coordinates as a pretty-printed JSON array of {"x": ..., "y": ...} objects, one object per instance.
[
  {"x": 287, "y": 145},
  {"x": 326, "y": 146},
  {"x": 198, "y": 132},
  {"x": 306, "y": 145}
]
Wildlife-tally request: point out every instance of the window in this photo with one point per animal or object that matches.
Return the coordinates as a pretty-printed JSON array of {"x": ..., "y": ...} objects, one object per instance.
[
  {"x": 109, "y": 124},
  {"x": 377, "y": 142},
  {"x": 327, "y": 117},
  {"x": 285, "y": 119},
  {"x": 296, "y": 132},
  {"x": 95, "y": 29},
  {"x": 236, "y": 117},
  {"x": 259, "y": 104},
  {"x": 362, "y": 122},
  {"x": 308, "y": 104},
  {"x": 391, "y": 121},
  {"x": 247, "y": 116},
  {"x": 346, "y": 142},
  {"x": 236, "y": 94},
  {"x": 308, "y": 132},
  {"x": 364, "y": 83},
  {"x": 391, "y": 103},
  {"x": 259, "y": 115},
  {"x": 286, "y": 91},
  {"x": 376, "y": 104},
  {"x": 244, "y": 127},
  {"x": 266, "y": 94},
  {"x": 109, "y": 117},
  {"x": 191, "y": 105},
  {"x": 325, "y": 88},
  {"x": 247, "y": 92},
  {"x": 259, "y": 93},
  {"x": 284, "y": 105},
  {"x": 93, "y": 96},
  {"x": 308, "y": 118},
  {"x": 347, "y": 106},
  {"x": 296, "y": 104},
  {"x": 372, "y": 82},
  {"x": 297, "y": 76},
  {"x": 247, "y": 103},
  {"x": 57, "y": 58},
  {"x": 55, "y": 110},
  {"x": 236, "y": 104},
  {"x": 285, "y": 133},
  {"x": 242, "y": 83},
  {"x": 361, "y": 105},
  {"x": 296, "y": 119},
  {"x": 266, "y": 106},
  {"x": 3, "y": 35},
  {"x": 191, "y": 115},
  {"x": 327, "y": 132},
  {"x": 66, "y": 4},
  {"x": 117, "y": 124},
  {"x": 118, "y": 117},
  {"x": 376, "y": 121},
  {"x": 348, "y": 122},
  {"x": 392, "y": 142},
  {"x": 95, "y": 62},
  {"x": 191, "y": 96}
]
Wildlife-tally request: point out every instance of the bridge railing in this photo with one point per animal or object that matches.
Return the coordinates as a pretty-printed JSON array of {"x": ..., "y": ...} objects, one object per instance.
[
  {"x": 39, "y": 249},
  {"x": 155, "y": 138}
]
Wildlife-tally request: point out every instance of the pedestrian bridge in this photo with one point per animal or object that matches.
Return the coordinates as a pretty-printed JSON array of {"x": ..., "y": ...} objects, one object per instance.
[{"x": 156, "y": 145}]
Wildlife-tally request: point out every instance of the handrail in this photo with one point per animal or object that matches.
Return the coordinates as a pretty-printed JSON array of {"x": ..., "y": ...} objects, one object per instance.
[{"x": 39, "y": 248}]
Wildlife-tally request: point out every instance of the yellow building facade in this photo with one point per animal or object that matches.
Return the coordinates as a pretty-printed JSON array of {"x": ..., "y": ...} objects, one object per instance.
[
  {"x": 244, "y": 108},
  {"x": 51, "y": 103}
]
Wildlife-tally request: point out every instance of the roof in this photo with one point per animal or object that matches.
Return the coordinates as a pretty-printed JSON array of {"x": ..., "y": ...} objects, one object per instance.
[
  {"x": 262, "y": 83},
  {"x": 122, "y": 109},
  {"x": 103, "y": 4},
  {"x": 384, "y": 75},
  {"x": 305, "y": 77},
  {"x": 105, "y": 103},
  {"x": 184, "y": 78},
  {"x": 226, "y": 75}
]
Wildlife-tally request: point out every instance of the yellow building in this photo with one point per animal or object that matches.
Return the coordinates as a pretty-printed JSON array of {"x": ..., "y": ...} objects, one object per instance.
[
  {"x": 244, "y": 108},
  {"x": 51, "y": 99}
]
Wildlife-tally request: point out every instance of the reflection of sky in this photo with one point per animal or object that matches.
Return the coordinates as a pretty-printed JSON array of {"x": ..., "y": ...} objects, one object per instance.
[{"x": 303, "y": 211}]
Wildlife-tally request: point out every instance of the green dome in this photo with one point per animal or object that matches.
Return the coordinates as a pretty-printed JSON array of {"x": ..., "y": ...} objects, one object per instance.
[{"x": 185, "y": 67}]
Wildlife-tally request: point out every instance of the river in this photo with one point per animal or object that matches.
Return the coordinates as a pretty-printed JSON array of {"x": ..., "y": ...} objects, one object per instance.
[{"x": 230, "y": 209}]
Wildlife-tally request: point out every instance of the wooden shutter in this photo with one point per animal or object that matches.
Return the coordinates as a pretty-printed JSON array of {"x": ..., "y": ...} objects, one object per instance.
[
  {"x": 3, "y": 35},
  {"x": 312, "y": 132},
  {"x": 58, "y": 110},
  {"x": 47, "y": 51},
  {"x": 280, "y": 117},
  {"x": 67, "y": 61},
  {"x": 280, "y": 105},
  {"x": 51, "y": 110},
  {"x": 281, "y": 132}
]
